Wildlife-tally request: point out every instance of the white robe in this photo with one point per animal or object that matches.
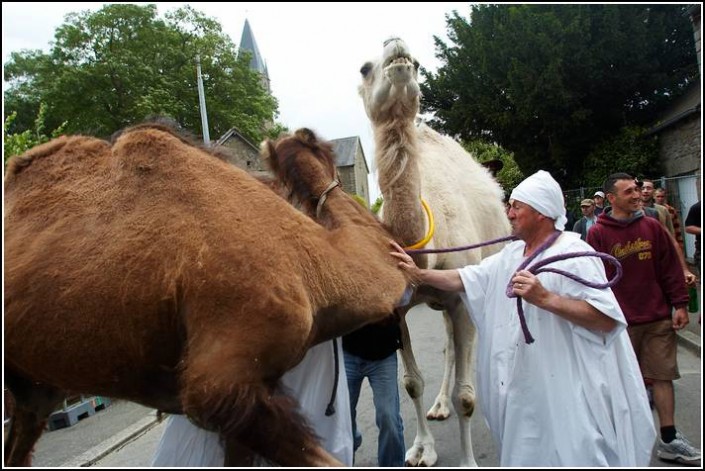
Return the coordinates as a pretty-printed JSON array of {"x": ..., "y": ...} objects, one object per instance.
[
  {"x": 311, "y": 382},
  {"x": 575, "y": 397}
]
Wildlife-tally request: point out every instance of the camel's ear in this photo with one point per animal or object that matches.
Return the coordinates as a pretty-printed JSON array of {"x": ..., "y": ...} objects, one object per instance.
[
  {"x": 268, "y": 154},
  {"x": 307, "y": 136}
]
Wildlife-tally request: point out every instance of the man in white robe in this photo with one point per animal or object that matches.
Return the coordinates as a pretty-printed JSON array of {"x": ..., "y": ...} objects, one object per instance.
[{"x": 575, "y": 396}]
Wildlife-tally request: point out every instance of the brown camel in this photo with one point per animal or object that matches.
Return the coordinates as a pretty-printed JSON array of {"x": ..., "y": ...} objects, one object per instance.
[
  {"x": 415, "y": 164},
  {"x": 151, "y": 271}
]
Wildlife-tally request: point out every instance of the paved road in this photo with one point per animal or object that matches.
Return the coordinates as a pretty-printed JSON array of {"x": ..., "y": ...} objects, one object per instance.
[{"x": 65, "y": 446}]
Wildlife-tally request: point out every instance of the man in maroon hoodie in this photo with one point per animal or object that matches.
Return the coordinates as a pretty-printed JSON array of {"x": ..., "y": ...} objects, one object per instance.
[{"x": 651, "y": 287}]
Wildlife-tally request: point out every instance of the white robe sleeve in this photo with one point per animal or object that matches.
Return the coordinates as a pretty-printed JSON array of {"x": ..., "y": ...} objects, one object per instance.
[
  {"x": 477, "y": 284},
  {"x": 592, "y": 269}
]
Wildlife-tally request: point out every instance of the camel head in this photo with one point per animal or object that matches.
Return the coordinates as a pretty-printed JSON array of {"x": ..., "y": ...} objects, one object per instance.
[
  {"x": 302, "y": 163},
  {"x": 389, "y": 88}
]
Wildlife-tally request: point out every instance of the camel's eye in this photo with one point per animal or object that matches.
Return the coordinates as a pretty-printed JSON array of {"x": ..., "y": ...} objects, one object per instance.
[
  {"x": 366, "y": 69},
  {"x": 416, "y": 64}
]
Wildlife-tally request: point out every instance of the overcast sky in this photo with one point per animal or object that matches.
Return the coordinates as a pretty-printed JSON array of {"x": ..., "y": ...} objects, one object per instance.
[{"x": 313, "y": 51}]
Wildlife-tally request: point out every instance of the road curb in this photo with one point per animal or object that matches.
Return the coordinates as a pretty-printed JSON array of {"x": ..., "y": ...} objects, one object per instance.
[
  {"x": 690, "y": 341},
  {"x": 118, "y": 440}
]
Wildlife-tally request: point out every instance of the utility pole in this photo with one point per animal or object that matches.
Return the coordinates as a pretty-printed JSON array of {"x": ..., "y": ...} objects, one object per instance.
[{"x": 202, "y": 103}]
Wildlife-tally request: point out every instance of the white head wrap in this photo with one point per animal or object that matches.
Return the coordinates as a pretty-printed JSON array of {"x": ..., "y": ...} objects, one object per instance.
[{"x": 543, "y": 193}]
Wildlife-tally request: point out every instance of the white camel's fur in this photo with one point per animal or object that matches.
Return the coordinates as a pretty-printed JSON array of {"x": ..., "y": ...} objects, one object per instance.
[{"x": 416, "y": 162}]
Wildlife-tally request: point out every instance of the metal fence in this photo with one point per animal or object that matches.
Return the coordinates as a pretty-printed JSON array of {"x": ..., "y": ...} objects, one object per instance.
[{"x": 682, "y": 193}]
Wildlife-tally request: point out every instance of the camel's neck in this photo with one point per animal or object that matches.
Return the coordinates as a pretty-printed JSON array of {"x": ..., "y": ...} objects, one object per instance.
[
  {"x": 362, "y": 279},
  {"x": 400, "y": 181}
]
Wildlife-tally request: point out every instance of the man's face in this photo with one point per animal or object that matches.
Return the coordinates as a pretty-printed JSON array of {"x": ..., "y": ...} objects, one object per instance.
[
  {"x": 598, "y": 200},
  {"x": 588, "y": 210},
  {"x": 647, "y": 192},
  {"x": 523, "y": 218},
  {"x": 626, "y": 196},
  {"x": 660, "y": 196}
]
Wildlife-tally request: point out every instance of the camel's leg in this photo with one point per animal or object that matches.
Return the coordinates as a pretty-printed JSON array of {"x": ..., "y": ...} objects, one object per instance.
[
  {"x": 440, "y": 410},
  {"x": 423, "y": 451},
  {"x": 464, "y": 391},
  {"x": 223, "y": 390},
  {"x": 33, "y": 404},
  {"x": 238, "y": 455},
  {"x": 261, "y": 419}
]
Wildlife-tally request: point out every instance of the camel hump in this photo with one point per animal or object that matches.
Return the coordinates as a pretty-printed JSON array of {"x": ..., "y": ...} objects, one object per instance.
[
  {"x": 145, "y": 145},
  {"x": 20, "y": 163},
  {"x": 169, "y": 127},
  {"x": 151, "y": 148}
]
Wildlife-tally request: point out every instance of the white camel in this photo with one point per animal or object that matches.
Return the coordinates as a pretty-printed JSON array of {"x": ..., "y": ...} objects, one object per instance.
[{"x": 415, "y": 164}]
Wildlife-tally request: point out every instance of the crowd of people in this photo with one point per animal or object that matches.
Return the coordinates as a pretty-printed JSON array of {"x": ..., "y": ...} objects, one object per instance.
[{"x": 577, "y": 395}]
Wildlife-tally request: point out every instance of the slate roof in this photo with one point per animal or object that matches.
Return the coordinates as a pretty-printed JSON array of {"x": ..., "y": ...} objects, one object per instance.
[
  {"x": 236, "y": 133},
  {"x": 345, "y": 149}
]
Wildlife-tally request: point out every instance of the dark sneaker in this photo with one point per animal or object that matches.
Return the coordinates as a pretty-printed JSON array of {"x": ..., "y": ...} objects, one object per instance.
[{"x": 679, "y": 450}]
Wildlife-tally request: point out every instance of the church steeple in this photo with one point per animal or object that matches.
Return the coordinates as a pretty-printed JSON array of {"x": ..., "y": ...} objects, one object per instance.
[{"x": 248, "y": 43}]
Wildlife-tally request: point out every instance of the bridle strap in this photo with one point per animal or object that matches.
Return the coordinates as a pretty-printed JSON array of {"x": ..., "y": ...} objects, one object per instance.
[{"x": 324, "y": 195}]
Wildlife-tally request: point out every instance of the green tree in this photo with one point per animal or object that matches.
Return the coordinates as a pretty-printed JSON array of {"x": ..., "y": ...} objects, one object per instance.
[
  {"x": 114, "y": 67},
  {"x": 18, "y": 143},
  {"x": 510, "y": 175},
  {"x": 629, "y": 151},
  {"x": 550, "y": 82},
  {"x": 377, "y": 205}
]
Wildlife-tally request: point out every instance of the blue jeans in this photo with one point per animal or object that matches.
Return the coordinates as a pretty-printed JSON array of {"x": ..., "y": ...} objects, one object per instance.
[{"x": 382, "y": 375}]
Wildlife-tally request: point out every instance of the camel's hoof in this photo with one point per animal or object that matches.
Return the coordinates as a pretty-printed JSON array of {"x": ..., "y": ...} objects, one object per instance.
[
  {"x": 468, "y": 463},
  {"x": 439, "y": 411},
  {"x": 421, "y": 456}
]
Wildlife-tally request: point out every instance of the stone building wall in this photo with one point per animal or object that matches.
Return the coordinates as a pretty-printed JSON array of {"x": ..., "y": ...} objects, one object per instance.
[
  {"x": 680, "y": 147},
  {"x": 244, "y": 156}
]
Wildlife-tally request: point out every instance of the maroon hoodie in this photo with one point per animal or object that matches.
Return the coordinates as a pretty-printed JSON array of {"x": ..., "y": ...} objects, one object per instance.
[{"x": 653, "y": 279}]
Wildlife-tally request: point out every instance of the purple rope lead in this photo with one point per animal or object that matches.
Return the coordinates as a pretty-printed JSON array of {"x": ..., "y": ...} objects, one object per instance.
[
  {"x": 464, "y": 247},
  {"x": 538, "y": 268}
]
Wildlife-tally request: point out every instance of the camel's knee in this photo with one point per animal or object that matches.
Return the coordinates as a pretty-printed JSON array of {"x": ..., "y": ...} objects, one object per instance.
[
  {"x": 464, "y": 400},
  {"x": 228, "y": 409},
  {"x": 414, "y": 386}
]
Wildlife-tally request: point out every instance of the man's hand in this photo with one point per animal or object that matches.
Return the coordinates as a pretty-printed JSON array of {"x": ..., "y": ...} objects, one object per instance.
[
  {"x": 690, "y": 279},
  {"x": 528, "y": 286},
  {"x": 680, "y": 318}
]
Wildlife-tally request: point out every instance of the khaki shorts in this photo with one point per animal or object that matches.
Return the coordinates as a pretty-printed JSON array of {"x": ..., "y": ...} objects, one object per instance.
[{"x": 656, "y": 345}]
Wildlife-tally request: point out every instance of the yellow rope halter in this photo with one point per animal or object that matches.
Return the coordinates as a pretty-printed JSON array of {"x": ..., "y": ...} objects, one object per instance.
[{"x": 431, "y": 228}]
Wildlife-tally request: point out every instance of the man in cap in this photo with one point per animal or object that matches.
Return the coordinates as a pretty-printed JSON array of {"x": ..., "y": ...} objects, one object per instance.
[
  {"x": 587, "y": 206},
  {"x": 574, "y": 397},
  {"x": 599, "y": 199}
]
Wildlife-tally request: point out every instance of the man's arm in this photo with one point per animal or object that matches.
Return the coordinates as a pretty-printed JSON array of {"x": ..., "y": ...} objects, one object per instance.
[
  {"x": 692, "y": 220},
  {"x": 576, "y": 311},
  {"x": 446, "y": 280},
  {"x": 695, "y": 230},
  {"x": 689, "y": 277}
]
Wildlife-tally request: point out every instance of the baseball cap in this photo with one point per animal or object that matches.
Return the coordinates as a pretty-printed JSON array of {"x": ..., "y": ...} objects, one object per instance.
[
  {"x": 586, "y": 202},
  {"x": 599, "y": 193}
]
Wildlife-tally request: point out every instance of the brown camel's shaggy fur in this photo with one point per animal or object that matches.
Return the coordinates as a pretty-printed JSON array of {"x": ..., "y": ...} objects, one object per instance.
[{"x": 151, "y": 271}]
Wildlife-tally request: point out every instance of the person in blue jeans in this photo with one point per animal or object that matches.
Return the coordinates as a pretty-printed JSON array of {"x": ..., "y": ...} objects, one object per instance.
[{"x": 370, "y": 352}]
